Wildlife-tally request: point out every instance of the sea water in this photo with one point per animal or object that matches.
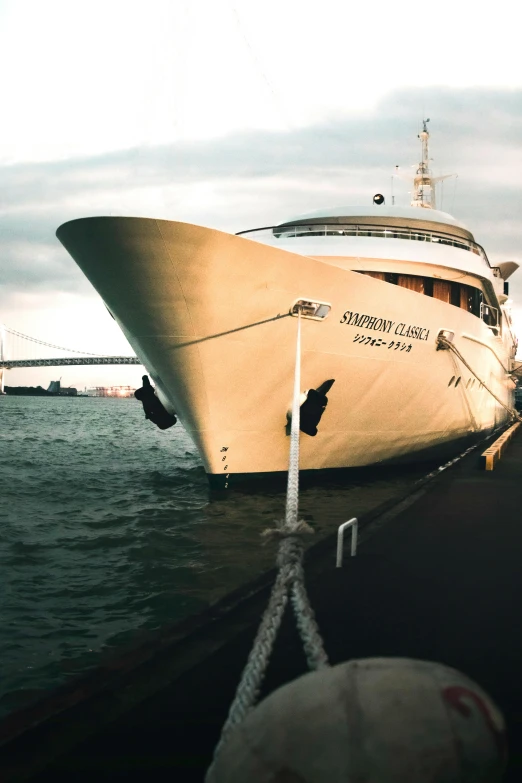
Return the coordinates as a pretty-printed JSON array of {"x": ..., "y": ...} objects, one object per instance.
[{"x": 108, "y": 530}]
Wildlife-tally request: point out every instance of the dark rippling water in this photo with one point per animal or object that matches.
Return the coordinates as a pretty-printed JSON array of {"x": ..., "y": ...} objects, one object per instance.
[{"x": 107, "y": 529}]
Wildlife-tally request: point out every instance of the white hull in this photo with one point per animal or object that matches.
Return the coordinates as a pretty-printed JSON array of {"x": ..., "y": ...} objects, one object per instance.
[{"x": 207, "y": 314}]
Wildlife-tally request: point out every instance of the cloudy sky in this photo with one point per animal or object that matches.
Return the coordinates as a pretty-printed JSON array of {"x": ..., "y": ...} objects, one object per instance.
[{"x": 236, "y": 114}]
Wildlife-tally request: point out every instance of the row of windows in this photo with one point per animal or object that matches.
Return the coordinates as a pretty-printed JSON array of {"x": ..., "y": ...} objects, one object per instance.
[
  {"x": 352, "y": 230},
  {"x": 464, "y": 296},
  {"x": 386, "y": 233}
]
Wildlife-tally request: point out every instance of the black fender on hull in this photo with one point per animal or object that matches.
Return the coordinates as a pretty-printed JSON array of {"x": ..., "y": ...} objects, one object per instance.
[
  {"x": 153, "y": 407},
  {"x": 313, "y": 408}
]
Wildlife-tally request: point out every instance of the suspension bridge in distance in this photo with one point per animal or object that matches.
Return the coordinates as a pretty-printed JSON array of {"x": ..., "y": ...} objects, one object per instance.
[
  {"x": 13, "y": 346},
  {"x": 7, "y": 364}
]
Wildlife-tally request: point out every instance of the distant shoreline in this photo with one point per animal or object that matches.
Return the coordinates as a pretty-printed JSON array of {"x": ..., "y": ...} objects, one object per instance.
[{"x": 39, "y": 391}]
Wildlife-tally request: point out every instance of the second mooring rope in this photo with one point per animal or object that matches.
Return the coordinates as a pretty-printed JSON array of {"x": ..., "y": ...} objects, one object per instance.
[
  {"x": 444, "y": 343},
  {"x": 289, "y": 583}
]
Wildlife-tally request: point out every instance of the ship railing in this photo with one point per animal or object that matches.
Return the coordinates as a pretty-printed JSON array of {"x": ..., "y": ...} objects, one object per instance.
[{"x": 352, "y": 230}]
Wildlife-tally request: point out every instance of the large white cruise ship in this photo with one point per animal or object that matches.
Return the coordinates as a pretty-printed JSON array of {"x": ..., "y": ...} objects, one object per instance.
[{"x": 209, "y": 315}]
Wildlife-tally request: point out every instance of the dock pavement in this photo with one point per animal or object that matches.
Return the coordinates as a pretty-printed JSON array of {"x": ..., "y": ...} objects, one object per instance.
[{"x": 437, "y": 577}]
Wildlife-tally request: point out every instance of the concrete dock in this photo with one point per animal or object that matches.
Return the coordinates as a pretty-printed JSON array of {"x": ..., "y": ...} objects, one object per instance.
[{"x": 437, "y": 577}]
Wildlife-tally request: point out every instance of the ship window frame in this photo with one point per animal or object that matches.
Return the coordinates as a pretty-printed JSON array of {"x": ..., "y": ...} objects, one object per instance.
[{"x": 490, "y": 313}]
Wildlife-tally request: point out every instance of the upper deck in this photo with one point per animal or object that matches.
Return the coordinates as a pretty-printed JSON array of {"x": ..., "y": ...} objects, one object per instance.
[
  {"x": 354, "y": 231},
  {"x": 392, "y": 217}
]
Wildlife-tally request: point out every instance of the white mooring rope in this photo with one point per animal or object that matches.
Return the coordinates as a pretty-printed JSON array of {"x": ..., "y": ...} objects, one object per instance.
[
  {"x": 292, "y": 489},
  {"x": 289, "y": 583}
]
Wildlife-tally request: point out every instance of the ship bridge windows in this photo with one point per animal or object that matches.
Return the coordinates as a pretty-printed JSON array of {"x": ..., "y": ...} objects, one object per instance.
[
  {"x": 457, "y": 294},
  {"x": 412, "y": 282}
]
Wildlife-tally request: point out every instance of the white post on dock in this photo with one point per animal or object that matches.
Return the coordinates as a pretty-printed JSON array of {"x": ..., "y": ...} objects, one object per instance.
[{"x": 354, "y": 524}]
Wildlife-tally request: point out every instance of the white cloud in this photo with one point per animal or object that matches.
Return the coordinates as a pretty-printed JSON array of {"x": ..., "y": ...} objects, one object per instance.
[{"x": 88, "y": 77}]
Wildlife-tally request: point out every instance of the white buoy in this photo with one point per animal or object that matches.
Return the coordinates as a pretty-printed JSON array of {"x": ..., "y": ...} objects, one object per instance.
[{"x": 371, "y": 721}]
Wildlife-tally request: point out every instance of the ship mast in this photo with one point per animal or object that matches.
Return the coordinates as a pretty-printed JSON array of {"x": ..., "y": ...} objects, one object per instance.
[{"x": 423, "y": 184}]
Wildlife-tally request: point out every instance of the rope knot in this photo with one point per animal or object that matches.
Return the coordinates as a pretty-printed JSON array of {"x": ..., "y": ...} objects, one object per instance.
[
  {"x": 286, "y": 528},
  {"x": 291, "y": 546},
  {"x": 443, "y": 344}
]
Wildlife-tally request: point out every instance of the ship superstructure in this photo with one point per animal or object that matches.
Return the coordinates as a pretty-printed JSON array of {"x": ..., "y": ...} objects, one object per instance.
[{"x": 210, "y": 316}]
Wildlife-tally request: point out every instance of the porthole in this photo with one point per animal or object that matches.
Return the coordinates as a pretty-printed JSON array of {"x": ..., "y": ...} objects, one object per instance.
[
  {"x": 451, "y": 381},
  {"x": 457, "y": 382}
]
